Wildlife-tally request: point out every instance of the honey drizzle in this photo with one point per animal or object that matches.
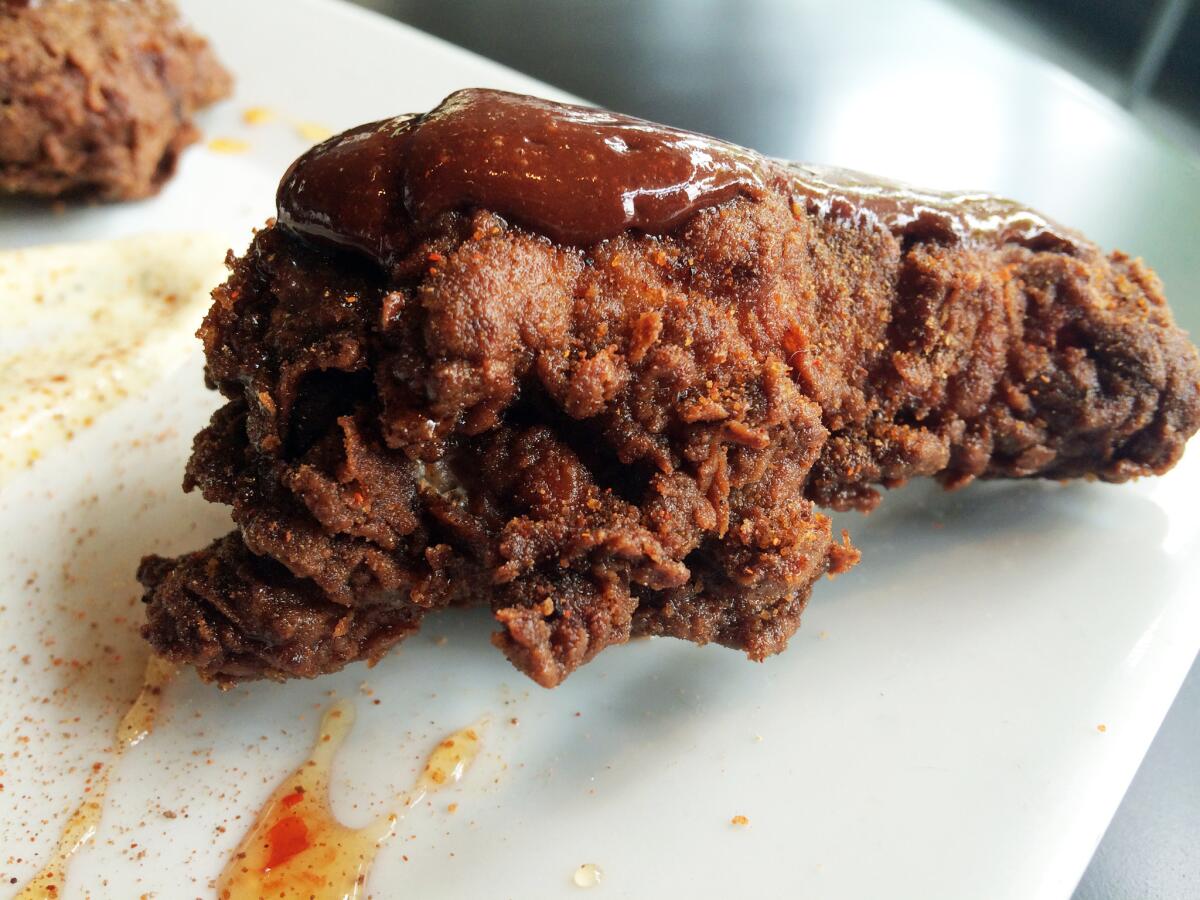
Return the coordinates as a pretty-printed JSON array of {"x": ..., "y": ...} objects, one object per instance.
[
  {"x": 298, "y": 849},
  {"x": 81, "y": 826},
  {"x": 447, "y": 763}
]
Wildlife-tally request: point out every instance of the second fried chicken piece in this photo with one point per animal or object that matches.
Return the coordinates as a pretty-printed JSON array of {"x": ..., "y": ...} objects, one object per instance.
[{"x": 97, "y": 97}]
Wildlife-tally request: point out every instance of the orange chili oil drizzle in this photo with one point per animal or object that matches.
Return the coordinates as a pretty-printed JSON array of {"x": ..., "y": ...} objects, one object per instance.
[{"x": 298, "y": 849}]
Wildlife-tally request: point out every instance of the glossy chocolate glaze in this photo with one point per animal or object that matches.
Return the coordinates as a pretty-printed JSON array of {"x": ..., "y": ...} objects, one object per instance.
[
  {"x": 580, "y": 176},
  {"x": 908, "y": 212},
  {"x": 574, "y": 174}
]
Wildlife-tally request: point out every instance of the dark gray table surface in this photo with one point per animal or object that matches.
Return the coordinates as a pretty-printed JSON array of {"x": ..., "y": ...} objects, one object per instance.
[{"x": 920, "y": 91}]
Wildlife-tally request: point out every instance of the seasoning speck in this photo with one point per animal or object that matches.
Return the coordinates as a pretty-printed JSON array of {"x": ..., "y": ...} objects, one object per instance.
[
  {"x": 740, "y": 821},
  {"x": 1102, "y": 728},
  {"x": 87, "y": 324}
]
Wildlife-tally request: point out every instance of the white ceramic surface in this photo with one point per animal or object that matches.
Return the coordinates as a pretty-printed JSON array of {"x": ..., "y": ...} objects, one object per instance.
[{"x": 931, "y": 733}]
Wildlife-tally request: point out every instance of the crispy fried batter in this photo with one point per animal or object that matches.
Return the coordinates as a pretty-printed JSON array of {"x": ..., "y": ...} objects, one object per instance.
[
  {"x": 631, "y": 438},
  {"x": 96, "y": 98}
]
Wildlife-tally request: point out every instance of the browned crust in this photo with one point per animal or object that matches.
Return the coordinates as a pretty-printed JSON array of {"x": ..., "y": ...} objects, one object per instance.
[
  {"x": 96, "y": 98},
  {"x": 630, "y": 439}
]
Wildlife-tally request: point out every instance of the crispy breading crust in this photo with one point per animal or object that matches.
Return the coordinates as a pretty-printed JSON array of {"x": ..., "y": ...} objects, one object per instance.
[
  {"x": 631, "y": 438},
  {"x": 96, "y": 98}
]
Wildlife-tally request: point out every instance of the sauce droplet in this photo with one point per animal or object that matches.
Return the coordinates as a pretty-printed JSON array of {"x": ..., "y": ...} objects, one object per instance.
[
  {"x": 311, "y": 131},
  {"x": 139, "y": 720},
  {"x": 81, "y": 826},
  {"x": 588, "y": 875},
  {"x": 448, "y": 761},
  {"x": 228, "y": 145},
  {"x": 298, "y": 849},
  {"x": 258, "y": 115}
]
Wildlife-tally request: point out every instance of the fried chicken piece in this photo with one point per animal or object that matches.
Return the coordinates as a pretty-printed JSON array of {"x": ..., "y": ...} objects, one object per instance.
[
  {"x": 629, "y": 436},
  {"x": 96, "y": 98}
]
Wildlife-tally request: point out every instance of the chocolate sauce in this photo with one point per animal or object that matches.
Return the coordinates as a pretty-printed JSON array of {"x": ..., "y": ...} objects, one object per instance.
[
  {"x": 909, "y": 212},
  {"x": 574, "y": 174},
  {"x": 580, "y": 176}
]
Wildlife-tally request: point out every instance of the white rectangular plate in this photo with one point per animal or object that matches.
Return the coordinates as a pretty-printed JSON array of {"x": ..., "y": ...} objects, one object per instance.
[{"x": 933, "y": 731}]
